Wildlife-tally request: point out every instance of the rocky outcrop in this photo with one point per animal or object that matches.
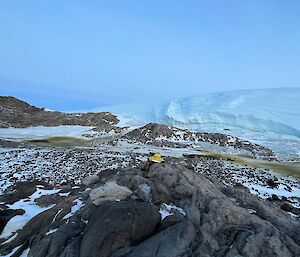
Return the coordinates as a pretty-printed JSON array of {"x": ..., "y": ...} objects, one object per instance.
[
  {"x": 152, "y": 131},
  {"x": 162, "y": 135},
  {"x": 36, "y": 229},
  {"x": 204, "y": 218},
  {"x": 111, "y": 191},
  {"x": 16, "y": 113},
  {"x": 221, "y": 216}
]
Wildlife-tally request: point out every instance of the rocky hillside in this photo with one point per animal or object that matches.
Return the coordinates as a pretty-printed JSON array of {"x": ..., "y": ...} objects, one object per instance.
[
  {"x": 16, "y": 113},
  {"x": 162, "y": 135},
  {"x": 169, "y": 211}
]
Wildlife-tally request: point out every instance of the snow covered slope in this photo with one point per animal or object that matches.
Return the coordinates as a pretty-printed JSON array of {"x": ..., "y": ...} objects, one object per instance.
[{"x": 273, "y": 110}]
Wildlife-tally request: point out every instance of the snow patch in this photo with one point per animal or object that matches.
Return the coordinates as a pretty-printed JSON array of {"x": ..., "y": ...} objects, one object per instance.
[
  {"x": 166, "y": 210},
  {"x": 40, "y": 132},
  {"x": 31, "y": 210},
  {"x": 78, "y": 204},
  {"x": 51, "y": 231}
]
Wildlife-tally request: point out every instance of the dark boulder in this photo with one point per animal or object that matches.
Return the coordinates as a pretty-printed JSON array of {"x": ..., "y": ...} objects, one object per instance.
[
  {"x": 171, "y": 242},
  {"x": 271, "y": 183},
  {"x": 118, "y": 224}
]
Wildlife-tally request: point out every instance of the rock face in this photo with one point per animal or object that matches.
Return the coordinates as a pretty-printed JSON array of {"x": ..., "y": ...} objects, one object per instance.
[
  {"x": 221, "y": 218},
  {"x": 115, "y": 225},
  {"x": 111, "y": 191},
  {"x": 34, "y": 232},
  {"x": 53, "y": 244},
  {"x": 217, "y": 220},
  {"x": 16, "y": 113}
]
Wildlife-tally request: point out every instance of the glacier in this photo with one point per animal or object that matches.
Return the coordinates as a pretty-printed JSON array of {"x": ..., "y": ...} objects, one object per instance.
[
  {"x": 270, "y": 117},
  {"x": 271, "y": 110}
]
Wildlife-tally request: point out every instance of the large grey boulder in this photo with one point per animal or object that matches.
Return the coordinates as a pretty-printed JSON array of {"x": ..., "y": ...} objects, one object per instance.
[
  {"x": 110, "y": 191},
  {"x": 118, "y": 224}
]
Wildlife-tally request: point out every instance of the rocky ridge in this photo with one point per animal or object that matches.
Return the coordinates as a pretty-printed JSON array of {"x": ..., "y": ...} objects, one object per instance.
[
  {"x": 162, "y": 135},
  {"x": 17, "y": 113}
]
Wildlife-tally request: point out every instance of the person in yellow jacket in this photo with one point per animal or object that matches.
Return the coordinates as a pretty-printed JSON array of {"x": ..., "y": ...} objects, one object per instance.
[{"x": 155, "y": 158}]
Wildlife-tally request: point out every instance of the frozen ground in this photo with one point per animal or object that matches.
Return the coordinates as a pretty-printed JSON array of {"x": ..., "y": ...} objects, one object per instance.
[
  {"x": 61, "y": 166},
  {"x": 19, "y": 134}
]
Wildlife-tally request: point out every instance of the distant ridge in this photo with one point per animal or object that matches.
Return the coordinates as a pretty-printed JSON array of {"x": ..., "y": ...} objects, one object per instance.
[{"x": 17, "y": 113}]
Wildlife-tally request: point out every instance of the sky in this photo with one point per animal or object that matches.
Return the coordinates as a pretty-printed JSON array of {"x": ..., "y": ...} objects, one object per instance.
[{"x": 69, "y": 55}]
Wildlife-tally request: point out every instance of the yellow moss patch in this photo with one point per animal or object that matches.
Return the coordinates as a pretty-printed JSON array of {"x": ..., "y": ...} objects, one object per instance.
[
  {"x": 60, "y": 141},
  {"x": 285, "y": 168}
]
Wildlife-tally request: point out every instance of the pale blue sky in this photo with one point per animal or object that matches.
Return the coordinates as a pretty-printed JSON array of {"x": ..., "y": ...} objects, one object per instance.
[{"x": 70, "y": 55}]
